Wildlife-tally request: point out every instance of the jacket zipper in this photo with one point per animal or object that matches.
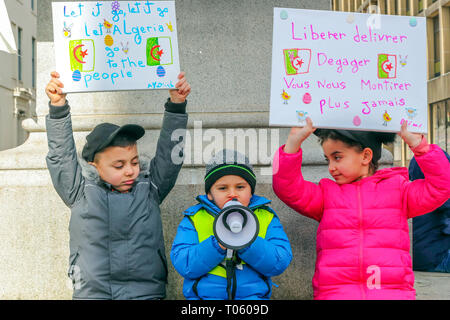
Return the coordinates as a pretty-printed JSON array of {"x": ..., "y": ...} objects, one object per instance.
[{"x": 361, "y": 240}]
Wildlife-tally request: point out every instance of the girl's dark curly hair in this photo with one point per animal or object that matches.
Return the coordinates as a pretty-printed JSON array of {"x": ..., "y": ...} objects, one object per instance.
[{"x": 359, "y": 140}]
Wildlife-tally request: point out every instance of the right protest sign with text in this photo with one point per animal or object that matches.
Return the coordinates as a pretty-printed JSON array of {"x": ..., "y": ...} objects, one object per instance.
[{"x": 348, "y": 70}]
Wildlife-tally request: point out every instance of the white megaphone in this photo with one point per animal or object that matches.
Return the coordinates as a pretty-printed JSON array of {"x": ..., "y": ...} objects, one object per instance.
[{"x": 236, "y": 226}]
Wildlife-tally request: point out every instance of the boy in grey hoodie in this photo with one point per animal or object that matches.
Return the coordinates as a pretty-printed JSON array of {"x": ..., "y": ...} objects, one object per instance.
[{"x": 116, "y": 239}]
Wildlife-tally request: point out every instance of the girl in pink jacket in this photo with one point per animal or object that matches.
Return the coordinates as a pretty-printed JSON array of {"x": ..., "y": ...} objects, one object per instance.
[{"x": 363, "y": 238}]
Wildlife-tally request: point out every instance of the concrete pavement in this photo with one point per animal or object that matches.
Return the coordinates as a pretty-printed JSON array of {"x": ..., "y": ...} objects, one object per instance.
[{"x": 432, "y": 285}]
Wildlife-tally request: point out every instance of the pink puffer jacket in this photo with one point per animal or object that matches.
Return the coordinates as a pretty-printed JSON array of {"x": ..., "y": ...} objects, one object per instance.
[{"x": 363, "y": 238}]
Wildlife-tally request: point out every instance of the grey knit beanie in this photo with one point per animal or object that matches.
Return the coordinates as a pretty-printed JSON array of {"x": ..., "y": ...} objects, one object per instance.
[{"x": 229, "y": 162}]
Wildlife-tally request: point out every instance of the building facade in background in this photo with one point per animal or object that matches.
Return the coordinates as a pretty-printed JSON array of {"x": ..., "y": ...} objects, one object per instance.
[
  {"x": 18, "y": 74},
  {"x": 437, "y": 13}
]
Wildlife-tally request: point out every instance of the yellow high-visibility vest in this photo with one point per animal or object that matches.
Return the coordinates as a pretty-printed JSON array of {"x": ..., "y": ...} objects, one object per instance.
[{"x": 203, "y": 223}]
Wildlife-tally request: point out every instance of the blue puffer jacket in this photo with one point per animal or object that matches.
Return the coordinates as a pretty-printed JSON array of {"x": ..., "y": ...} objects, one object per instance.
[{"x": 264, "y": 258}]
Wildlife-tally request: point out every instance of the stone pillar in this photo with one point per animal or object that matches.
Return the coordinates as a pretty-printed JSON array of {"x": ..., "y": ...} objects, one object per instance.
[
  {"x": 381, "y": 7},
  {"x": 430, "y": 48},
  {"x": 390, "y": 7},
  {"x": 444, "y": 29},
  {"x": 229, "y": 71},
  {"x": 402, "y": 7}
]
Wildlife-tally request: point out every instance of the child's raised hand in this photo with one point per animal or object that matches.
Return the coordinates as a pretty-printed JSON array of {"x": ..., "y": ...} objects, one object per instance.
[
  {"x": 54, "y": 91},
  {"x": 182, "y": 90},
  {"x": 410, "y": 138},
  {"x": 298, "y": 135}
]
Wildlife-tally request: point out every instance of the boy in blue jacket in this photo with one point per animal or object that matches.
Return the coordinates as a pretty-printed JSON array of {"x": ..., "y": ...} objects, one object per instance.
[{"x": 198, "y": 256}]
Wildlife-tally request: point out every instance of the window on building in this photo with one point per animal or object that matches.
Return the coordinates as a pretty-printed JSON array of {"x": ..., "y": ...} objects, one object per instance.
[
  {"x": 408, "y": 9},
  {"x": 32, "y": 5},
  {"x": 420, "y": 5},
  {"x": 440, "y": 115},
  {"x": 33, "y": 62},
  {"x": 437, "y": 47},
  {"x": 385, "y": 7},
  {"x": 395, "y": 7},
  {"x": 19, "y": 53}
]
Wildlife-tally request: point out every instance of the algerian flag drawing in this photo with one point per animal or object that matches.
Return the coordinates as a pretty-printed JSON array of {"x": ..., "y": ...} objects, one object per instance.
[
  {"x": 387, "y": 66},
  {"x": 82, "y": 55},
  {"x": 159, "y": 51},
  {"x": 297, "y": 61}
]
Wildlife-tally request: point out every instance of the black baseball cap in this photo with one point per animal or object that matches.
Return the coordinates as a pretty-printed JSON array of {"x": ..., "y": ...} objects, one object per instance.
[{"x": 104, "y": 133}]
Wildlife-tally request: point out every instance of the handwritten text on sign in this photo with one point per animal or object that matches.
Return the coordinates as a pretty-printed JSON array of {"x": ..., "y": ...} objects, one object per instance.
[
  {"x": 116, "y": 45},
  {"x": 348, "y": 70}
]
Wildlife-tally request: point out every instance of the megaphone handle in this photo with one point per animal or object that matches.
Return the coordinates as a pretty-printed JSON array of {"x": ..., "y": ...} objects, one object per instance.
[{"x": 231, "y": 275}]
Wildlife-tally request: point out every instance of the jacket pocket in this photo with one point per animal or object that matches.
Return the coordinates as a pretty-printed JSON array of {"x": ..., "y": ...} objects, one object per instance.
[{"x": 164, "y": 261}]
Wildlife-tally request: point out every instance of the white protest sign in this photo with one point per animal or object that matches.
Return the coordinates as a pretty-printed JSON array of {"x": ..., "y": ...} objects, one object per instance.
[
  {"x": 116, "y": 45},
  {"x": 348, "y": 70}
]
